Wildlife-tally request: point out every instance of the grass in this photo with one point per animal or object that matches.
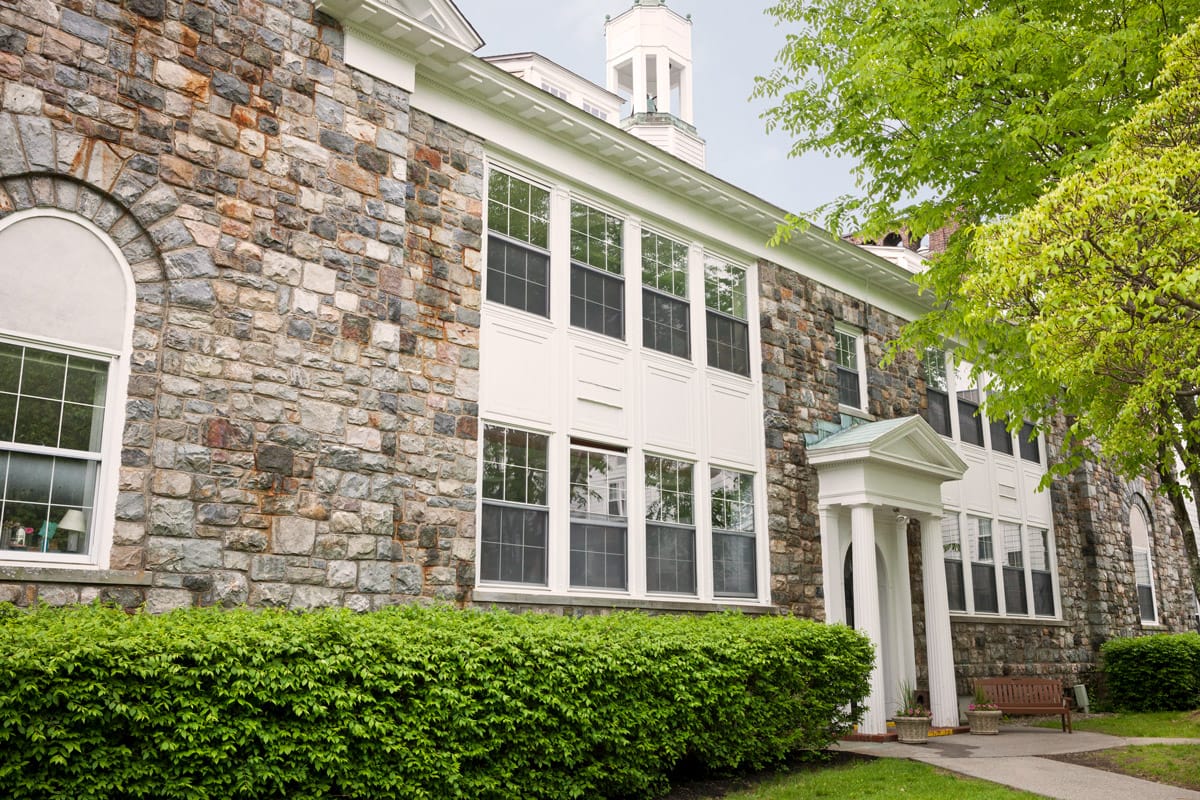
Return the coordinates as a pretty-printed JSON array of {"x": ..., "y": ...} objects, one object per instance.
[
  {"x": 1174, "y": 764},
  {"x": 880, "y": 778},
  {"x": 1178, "y": 724}
]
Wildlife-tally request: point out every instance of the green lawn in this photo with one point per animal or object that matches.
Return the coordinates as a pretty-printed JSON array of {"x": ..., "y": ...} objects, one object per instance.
[
  {"x": 1182, "y": 724},
  {"x": 882, "y": 778}
]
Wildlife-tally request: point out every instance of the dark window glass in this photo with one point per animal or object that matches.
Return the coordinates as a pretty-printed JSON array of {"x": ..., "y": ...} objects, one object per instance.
[
  {"x": 597, "y": 301},
  {"x": 1014, "y": 591},
  {"x": 1043, "y": 594},
  {"x": 1029, "y": 444},
  {"x": 849, "y": 390},
  {"x": 937, "y": 411},
  {"x": 733, "y": 565},
  {"x": 670, "y": 559},
  {"x": 970, "y": 424},
  {"x": 728, "y": 343},
  {"x": 597, "y": 556},
  {"x": 955, "y": 589},
  {"x": 1146, "y": 602},
  {"x": 984, "y": 578},
  {"x": 665, "y": 324},
  {"x": 518, "y": 276},
  {"x": 514, "y": 544},
  {"x": 1001, "y": 439}
]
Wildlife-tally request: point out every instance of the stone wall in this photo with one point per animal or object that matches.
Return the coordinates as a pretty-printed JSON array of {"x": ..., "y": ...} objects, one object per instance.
[
  {"x": 797, "y": 318},
  {"x": 301, "y": 421}
]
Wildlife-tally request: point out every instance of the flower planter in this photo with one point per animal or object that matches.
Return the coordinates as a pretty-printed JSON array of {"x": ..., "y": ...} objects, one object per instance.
[
  {"x": 912, "y": 730},
  {"x": 984, "y": 723}
]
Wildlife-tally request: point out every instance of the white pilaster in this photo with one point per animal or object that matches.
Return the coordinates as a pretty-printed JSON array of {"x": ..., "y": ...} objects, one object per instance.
[
  {"x": 943, "y": 698},
  {"x": 866, "y": 612},
  {"x": 901, "y": 621},
  {"x": 832, "y": 582}
]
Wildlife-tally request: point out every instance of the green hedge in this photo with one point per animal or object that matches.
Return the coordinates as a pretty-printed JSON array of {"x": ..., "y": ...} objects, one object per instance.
[
  {"x": 1153, "y": 673},
  {"x": 410, "y": 702}
]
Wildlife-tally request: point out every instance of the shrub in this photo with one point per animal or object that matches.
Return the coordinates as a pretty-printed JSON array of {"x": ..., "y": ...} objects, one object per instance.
[
  {"x": 409, "y": 702},
  {"x": 1153, "y": 673}
]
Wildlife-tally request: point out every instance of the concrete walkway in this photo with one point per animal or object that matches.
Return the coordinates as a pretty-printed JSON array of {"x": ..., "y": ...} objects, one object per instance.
[{"x": 1013, "y": 759}]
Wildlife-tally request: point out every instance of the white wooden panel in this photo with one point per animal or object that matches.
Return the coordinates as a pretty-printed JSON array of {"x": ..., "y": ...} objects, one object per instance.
[
  {"x": 977, "y": 485},
  {"x": 669, "y": 408},
  {"x": 1037, "y": 504},
  {"x": 1008, "y": 503},
  {"x": 517, "y": 373},
  {"x": 600, "y": 393},
  {"x": 731, "y": 426}
]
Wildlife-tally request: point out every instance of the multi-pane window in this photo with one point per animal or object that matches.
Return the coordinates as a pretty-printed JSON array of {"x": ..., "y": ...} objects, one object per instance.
[
  {"x": 599, "y": 524},
  {"x": 1013, "y": 569},
  {"x": 983, "y": 569},
  {"x": 1001, "y": 438},
  {"x": 1039, "y": 568},
  {"x": 515, "y": 509},
  {"x": 952, "y": 556},
  {"x": 1143, "y": 562},
  {"x": 1029, "y": 443},
  {"x": 937, "y": 397},
  {"x": 670, "y": 526},
  {"x": 51, "y": 425},
  {"x": 733, "y": 533},
  {"x": 665, "y": 325},
  {"x": 970, "y": 422},
  {"x": 725, "y": 316},
  {"x": 597, "y": 285},
  {"x": 849, "y": 380},
  {"x": 518, "y": 261}
]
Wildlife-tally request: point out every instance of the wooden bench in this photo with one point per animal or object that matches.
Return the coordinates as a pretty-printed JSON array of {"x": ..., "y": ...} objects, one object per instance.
[{"x": 1027, "y": 696}]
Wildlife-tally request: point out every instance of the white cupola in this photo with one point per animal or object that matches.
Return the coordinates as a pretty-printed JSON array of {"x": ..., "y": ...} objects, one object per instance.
[{"x": 649, "y": 64}]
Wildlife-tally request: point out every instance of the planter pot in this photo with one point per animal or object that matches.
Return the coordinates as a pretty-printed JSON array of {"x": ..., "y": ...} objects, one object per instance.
[
  {"x": 984, "y": 723},
  {"x": 912, "y": 730}
]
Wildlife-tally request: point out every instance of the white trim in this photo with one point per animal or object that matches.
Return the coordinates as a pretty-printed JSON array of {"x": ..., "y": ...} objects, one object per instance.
[{"x": 107, "y": 484}]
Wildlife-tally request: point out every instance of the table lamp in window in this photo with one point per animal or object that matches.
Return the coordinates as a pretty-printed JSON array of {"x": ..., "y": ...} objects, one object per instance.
[{"x": 74, "y": 524}]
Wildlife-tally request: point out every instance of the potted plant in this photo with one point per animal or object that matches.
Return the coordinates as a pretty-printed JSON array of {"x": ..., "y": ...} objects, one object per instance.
[
  {"x": 912, "y": 718},
  {"x": 983, "y": 715}
]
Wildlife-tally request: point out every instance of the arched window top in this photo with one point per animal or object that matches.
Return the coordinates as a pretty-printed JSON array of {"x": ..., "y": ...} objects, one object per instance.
[
  {"x": 1139, "y": 525},
  {"x": 64, "y": 281}
]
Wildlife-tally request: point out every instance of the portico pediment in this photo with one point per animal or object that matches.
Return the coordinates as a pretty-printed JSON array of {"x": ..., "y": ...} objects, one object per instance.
[{"x": 901, "y": 462}]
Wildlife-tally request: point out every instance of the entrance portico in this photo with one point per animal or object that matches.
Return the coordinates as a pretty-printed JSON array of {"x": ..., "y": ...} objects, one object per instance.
[{"x": 874, "y": 478}]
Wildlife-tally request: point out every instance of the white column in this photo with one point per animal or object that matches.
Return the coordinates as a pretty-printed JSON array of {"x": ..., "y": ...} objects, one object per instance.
[
  {"x": 866, "y": 612},
  {"x": 639, "y": 82},
  {"x": 902, "y": 612},
  {"x": 943, "y": 698},
  {"x": 663, "y": 78},
  {"x": 832, "y": 585},
  {"x": 685, "y": 94}
]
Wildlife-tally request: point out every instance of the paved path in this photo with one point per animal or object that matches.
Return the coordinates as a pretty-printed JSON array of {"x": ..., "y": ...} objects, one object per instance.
[{"x": 1013, "y": 759}]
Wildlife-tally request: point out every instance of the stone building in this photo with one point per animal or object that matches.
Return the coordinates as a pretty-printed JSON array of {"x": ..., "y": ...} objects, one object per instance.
[{"x": 308, "y": 305}]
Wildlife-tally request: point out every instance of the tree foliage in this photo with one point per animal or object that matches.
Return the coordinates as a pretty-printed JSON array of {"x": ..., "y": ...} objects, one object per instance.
[
  {"x": 975, "y": 108},
  {"x": 1088, "y": 302}
]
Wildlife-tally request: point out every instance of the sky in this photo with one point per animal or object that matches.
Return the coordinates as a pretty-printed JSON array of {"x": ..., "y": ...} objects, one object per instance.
[{"x": 729, "y": 48}]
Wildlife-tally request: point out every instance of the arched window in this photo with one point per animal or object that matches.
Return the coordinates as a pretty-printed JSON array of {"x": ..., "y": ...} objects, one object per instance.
[
  {"x": 65, "y": 327},
  {"x": 1143, "y": 561}
]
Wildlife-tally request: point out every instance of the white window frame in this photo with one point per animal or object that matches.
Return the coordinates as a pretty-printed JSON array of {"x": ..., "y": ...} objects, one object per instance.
[
  {"x": 845, "y": 329},
  {"x": 967, "y": 545},
  {"x": 1142, "y": 545},
  {"x": 103, "y": 518}
]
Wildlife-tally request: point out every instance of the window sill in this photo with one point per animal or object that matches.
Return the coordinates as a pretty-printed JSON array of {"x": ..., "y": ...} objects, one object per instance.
[
  {"x": 858, "y": 413},
  {"x": 73, "y": 574},
  {"x": 1154, "y": 626},
  {"x": 501, "y": 597},
  {"x": 996, "y": 619}
]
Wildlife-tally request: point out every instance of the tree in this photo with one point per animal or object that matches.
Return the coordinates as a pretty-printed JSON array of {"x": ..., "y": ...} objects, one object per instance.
[
  {"x": 1087, "y": 303},
  {"x": 973, "y": 108}
]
